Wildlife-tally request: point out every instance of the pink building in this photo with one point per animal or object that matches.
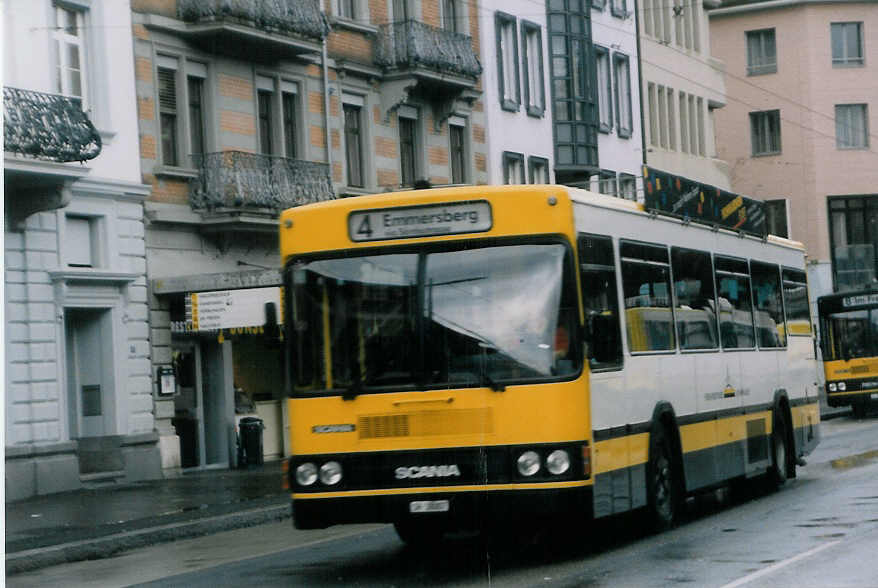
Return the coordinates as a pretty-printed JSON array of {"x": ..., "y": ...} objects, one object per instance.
[{"x": 799, "y": 125}]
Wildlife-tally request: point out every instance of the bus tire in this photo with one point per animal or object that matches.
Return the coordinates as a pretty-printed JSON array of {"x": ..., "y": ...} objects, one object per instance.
[
  {"x": 780, "y": 449},
  {"x": 663, "y": 489},
  {"x": 419, "y": 534}
]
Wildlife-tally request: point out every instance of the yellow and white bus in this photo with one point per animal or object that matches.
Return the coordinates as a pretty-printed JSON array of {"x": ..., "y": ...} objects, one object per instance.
[
  {"x": 460, "y": 355},
  {"x": 849, "y": 341}
]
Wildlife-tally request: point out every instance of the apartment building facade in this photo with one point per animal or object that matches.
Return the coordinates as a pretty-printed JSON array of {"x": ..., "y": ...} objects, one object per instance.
[
  {"x": 799, "y": 125},
  {"x": 247, "y": 108},
  {"x": 683, "y": 87},
  {"x": 518, "y": 115},
  {"x": 78, "y": 399}
]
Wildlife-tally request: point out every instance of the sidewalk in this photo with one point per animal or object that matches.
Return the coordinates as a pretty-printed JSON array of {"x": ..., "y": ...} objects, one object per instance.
[{"x": 95, "y": 523}]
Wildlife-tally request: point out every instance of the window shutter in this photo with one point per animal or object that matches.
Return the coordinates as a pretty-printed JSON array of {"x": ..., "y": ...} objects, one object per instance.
[{"x": 167, "y": 89}]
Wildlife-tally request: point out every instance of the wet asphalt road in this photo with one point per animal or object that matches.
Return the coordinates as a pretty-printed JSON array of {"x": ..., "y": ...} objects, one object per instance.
[{"x": 819, "y": 530}]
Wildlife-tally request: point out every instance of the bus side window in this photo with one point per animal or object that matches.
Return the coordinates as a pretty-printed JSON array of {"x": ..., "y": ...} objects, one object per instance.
[
  {"x": 646, "y": 285},
  {"x": 600, "y": 301},
  {"x": 735, "y": 303},
  {"x": 795, "y": 298},
  {"x": 695, "y": 303},
  {"x": 767, "y": 298}
]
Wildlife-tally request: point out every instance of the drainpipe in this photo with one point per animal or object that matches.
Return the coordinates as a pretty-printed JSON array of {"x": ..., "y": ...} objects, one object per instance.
[
  {"x": 639, "y": 89},
  {"x": 326, "y": 110}
]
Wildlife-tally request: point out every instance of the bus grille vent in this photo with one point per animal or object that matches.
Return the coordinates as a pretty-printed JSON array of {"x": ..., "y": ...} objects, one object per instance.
[
  {"x": 426, "y": 423},
  {"x": 393, "y": 425}
]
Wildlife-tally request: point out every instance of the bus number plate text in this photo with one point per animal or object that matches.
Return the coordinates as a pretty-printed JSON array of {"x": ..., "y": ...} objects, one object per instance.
[
  {"x": 429, "y": 506},
  {"x": 420, "y": 221}
]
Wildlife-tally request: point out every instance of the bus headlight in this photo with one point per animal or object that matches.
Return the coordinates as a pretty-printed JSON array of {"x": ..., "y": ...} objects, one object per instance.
[
  {"x": 833, "y": 387},
  {"x": 306, "y": 474},
  {"x": 528, "y": 463},
  {"x": 330, "y": 473},
  {"x": 842, "y": 387},
  {"x": 558, "y": 462}
]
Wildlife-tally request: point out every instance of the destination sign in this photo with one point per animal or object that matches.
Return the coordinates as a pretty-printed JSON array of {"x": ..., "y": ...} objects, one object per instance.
[
  {"x": 420, "y": 221},
  {"x": 859, "y": 300}
]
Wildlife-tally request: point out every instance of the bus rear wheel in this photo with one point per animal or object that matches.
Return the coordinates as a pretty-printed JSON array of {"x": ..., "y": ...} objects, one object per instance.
[{"x": 663, "y": 489}]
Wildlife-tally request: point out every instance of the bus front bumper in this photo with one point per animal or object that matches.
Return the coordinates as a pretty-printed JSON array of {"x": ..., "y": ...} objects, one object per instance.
[{"x": 463, "y": 510}]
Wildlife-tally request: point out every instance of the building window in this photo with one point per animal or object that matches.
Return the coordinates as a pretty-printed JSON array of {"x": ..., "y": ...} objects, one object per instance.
[
  {"x": 672, "y": 125},
  {"x": 699, "y": 113},
  {"x": 663, "y": 116},
  {"x": 574, "y": 95},
  {"x": 353, "y": 144},
  {"x": 764, "y": 132},
  {"x": 776, "y": 218},
  {"x": 449, "y": 16},
  {"x": 628, "y": 186},
  {"x": 457, "y": 151},
  {"x": 684, "y": 123},
  {"x": 534, "y": 88},
  {"x": 694, "y": 139},
  {"x": 400, "y": 10},
  {"x": 761, "y": 52},
  {"x": 195, "y": 87},
  {"x": 407, "y": 145},
  {"x": 264, "y": 104},
  {"x": 538, "y": 170},
  {"x": 80, "y": 241},
  {"x": 289, "y": 108},
  {"x": 619, "y": 8},
  {"x": 853, "y": 235},
  {"x": 607, "y": 183},
  {"x": 347, "y": 9},
  {"x": 69, "y": 36},
  {"x": 622, "y": 78},
  {"x": 598, "y": 5},
  {"x": 513, "y": 168},
  {"x": 652, "y": 104},
  {"x": 167, "y": 86},
  {"x": 851, "y": 126},
  {"x": 605, "y": 89},
  {"x": 847, "y": 44},
  {"x": 507, "y": 61}
]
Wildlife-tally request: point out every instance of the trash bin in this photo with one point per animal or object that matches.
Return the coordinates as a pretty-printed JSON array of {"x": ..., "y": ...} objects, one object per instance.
[{"x": 250, "y": 439}]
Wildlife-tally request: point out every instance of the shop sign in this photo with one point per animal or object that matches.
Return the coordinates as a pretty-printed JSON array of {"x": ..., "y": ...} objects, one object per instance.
[{"x": 237, "y": 310}]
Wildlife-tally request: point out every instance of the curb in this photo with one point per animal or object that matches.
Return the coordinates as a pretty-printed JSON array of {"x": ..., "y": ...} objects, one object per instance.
[{"x": 109, "y": 545}]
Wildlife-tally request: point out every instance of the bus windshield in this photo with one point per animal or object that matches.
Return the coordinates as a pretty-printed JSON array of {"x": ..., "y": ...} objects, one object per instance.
[
  {"x": 485, "y": 316},
  {"x": 850, "y": 334}
]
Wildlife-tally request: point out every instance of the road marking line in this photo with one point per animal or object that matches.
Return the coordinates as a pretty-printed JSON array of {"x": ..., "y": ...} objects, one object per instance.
[{"x": 781, "y": 564}]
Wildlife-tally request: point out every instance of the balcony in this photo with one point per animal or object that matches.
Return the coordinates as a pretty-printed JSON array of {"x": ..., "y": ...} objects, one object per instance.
[
  {"x": 42, "y": 132},
  {"x": 246, "y": 191},
  {"x": 254, "y": 30},
  {"x": 420, "y": 60}
]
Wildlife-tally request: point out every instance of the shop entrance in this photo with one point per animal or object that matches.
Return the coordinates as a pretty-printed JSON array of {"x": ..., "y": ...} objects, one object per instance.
[{"x": 202, "y": 409}]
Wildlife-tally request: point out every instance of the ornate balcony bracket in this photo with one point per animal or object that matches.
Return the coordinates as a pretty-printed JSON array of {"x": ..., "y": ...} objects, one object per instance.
[
  {"x": 32, "y": 186},
  {"x": 393, "y": 93}
]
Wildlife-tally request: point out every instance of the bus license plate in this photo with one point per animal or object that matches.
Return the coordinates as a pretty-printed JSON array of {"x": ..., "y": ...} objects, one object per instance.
[{"x": 429, "y": 506}]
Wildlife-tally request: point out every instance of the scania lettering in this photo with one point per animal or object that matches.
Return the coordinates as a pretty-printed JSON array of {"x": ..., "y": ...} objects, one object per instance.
[{"x": 537, "y": 350}]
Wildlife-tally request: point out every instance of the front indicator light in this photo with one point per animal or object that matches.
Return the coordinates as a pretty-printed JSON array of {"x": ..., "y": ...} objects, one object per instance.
[
  {"x": 330, "y": 473},
  {"x": 842, "y": 386},
  {"x": 528, "y": 463},
  {"x": 558, "y": 462},
  {"x": 306, "y": 474}
]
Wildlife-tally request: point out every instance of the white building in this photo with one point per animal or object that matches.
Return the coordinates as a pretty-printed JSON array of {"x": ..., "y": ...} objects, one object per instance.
[
  {"x": 78, "y": 382},
  {"x": 682, "y": 86},
  {"x": 620, "y": 135},
  {"x": 515, "y": 82}
]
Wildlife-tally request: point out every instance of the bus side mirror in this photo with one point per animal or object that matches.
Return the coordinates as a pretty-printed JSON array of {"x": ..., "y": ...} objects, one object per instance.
[{"x": 605, "y": 345}]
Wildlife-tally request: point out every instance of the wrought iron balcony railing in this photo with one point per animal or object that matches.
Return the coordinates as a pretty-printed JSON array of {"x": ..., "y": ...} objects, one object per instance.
[
  {"x": 411, "y": 43},
  {"x": 296, "y": 17},
  {"x": 235, "y": 179},
  {"x": 48, "y": 126}
]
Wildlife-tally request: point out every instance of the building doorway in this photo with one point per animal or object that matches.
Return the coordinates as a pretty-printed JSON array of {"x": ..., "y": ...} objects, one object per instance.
[{"x": 90, "y": 378}]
